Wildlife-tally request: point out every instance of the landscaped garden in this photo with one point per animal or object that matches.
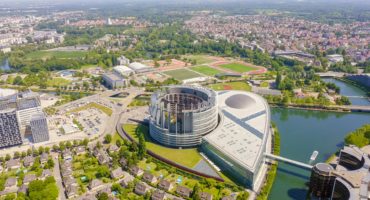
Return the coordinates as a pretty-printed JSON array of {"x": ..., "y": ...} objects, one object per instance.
[
  {"x": 239, "y": 85},
  {"x": 104, "y": 109}
]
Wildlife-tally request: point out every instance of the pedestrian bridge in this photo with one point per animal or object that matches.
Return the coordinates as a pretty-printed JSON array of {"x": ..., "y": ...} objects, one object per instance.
[{"x": 288, "y": 161}]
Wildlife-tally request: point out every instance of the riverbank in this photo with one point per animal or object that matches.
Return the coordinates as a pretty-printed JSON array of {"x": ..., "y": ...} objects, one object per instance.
[
  {"x": 270, "y": 177},
  {"x": 313, "y": 107},
  {"x": 356, "y": 84}
]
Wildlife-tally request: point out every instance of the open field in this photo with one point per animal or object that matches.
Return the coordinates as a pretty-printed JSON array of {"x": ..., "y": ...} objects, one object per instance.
[
  {"x": 199, "y": 59},
  {"x": 104, "y": 109},
  {"x": 58, "y": 82},
  {"x": 237, "y": 67},
  {"x": 231, "y": 86},
  {"x": 182, "y": 74},
  {"x": 209, "y": 71},
  {"x": 185, "y": 157},
  {"x": 56, "y": 54}
]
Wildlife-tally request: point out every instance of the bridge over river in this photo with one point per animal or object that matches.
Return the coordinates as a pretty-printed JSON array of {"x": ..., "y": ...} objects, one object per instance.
[{"x": 289, "y": 161}]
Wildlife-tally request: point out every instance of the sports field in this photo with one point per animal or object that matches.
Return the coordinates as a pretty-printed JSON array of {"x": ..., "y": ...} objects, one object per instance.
[
  {"x": 56, "y": 54},
  {"x": 231, "y": 86},
  {"x": 237, "y": 67},
  {"x": 185, "y": 157},
  {"x": 182, "y": 74},
  {"x": 208, "y": 71},
  {"x": 200, "y": 59}
]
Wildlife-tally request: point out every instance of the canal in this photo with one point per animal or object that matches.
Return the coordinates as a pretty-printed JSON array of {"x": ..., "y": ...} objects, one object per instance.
[{"x": 304, "y": 131}]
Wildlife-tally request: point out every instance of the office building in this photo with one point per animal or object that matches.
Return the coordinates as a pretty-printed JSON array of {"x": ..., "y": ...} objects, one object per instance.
[
  {"x": 39, "y": 128},
  {"x": 112, "y": 81},
  {"x": 9, "y": 129}
]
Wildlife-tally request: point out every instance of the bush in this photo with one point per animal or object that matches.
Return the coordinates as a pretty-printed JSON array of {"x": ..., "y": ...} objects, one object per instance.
[{"x": 360, "y": 137}]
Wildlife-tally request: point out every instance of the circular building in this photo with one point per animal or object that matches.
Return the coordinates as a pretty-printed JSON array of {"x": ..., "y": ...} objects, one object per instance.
[{"x": 181, "y": 115}]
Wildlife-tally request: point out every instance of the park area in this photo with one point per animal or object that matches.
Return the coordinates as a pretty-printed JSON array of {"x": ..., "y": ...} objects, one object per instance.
[
  {"x": 186, "y": 157},
  {"x": 102, "y": 108},
  {"x": 208, "y": 71},
  {"x": 237, "y": 67},
  {"x": 239, "y": 85},
  {"x": 57, "y": 54},
  {"x": 140, "y": 100},
  {"x": 182, "y": 74},
  {"x": 57, "y": 82}
]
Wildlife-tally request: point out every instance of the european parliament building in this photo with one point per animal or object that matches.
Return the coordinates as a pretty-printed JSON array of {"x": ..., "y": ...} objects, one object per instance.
[{"x": 231, "y": 127}]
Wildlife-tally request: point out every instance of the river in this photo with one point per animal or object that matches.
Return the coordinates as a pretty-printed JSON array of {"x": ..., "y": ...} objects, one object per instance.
[{"x": 302, "y": 132}]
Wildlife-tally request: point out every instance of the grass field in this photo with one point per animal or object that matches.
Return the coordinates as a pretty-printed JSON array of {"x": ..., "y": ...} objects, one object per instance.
[
  {"x": 182, "y": 74},
  {"x": 238, "y": 67},
  {"x": 56, "y": 54},
  {"x": 185, "y": 157},
  {"x": 58, "y": 82},
  {"x": 104, "y": 109},
  {"x": 231, "y": 86},
  {"x": 200, "y": 59},
  {"x": 209, "y": 71}
]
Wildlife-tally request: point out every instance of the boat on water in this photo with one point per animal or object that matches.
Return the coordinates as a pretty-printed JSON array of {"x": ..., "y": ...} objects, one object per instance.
[{"x": 314, "y": 155}]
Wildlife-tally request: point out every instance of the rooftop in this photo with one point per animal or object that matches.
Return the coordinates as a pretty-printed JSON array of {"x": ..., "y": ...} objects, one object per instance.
[{"x": 242, "y": 131}]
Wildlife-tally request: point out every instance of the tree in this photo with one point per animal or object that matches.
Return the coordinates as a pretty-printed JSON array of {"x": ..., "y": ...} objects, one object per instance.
[
  {"x": 108, "y": 138},
  {"x": 85, "y": 142},
  {"x": 103, "y": 171},
  {"x": 103, "y": 196},
  {"x": 242, "y": 196},
  {"x": 7, "y": 157},
  {"x": 118, "y": 143},
  {"x": 16, "y": 154},
  {"x": 278, "y": 79},
  {"x": 50, "y": 163},
  {"x": 17, "y": 80}
]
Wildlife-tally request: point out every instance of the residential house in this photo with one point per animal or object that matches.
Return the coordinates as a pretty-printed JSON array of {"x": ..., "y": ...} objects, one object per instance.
[
  {"x": 205, "y": 196},
  {"x": 28, "y": 161},
  {"x": 96, "y": 184},
  {"x": 46, "y": 173},
  {"x": 158, "y": 195},
  {"x": 165, "y": 185},
  {"x": 10, "y": 183},
  {"x": 29, "y": 178},
  {"x": 117, "y": 173},
  {"x": 88, "y": 197},
  {"x": 113, "y": 148},
  {"x": 71, "y": 191},
  {"x": 141, "y": 188},
  {"x": 149, "y": 178},
  {"x": 44, "y": 158},
  {"x": 23, "y": 189},
  {"x": 69, "y": 180},
  {"x": 13, "y": 164},
  {"x": 80, "y": 150},
  {"x": 123, "y": 162},
  {"x": 126, "y": 180},
  {"x": 136, "y": 171},
  {"x": 227, "y": 198},
  {"x": 183, "y": 191}
]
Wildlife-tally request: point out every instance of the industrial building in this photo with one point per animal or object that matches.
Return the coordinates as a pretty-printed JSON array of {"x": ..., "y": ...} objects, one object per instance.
[
  {"x": 39, "y": 128},
  {"x": 231, "y": 127},
  {"x": 123, "y": 60},
  {"x": 112, "y": 81},
  {"x": 9, "y": 128}
]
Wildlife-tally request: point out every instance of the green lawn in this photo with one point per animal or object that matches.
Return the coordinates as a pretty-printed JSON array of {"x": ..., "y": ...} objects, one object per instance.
[
  {"x": 56, "y": 54},
  {"x": 182, "y": 74},
  {"x": 200, "y": 59},
  {"x": 58, "y": 82},
  {"x": 185, "y": 157},
  {"x": 209, "y": 71},
  {"x": 231, "y": 86},
  {"x": 238, "y": 67},
  {"x": 104, "y": 109}
]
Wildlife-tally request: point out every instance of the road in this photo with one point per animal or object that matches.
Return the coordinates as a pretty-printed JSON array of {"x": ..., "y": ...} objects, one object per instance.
[{"x": 58, "y": 177}]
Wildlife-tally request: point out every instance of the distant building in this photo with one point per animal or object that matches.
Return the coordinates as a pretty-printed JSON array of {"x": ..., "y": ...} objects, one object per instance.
[
  {"x": 9, "y": 129},
  {"x": 39, "y": 128},
  {"x": 140, "y": 68},
  {"x": 334, "y": 58},
  {"x": 123, "y": 70},
  {"x": 5, "y": 49},
  {"x": 112, "y": 80},
  {"x": 123, "y": 60}
]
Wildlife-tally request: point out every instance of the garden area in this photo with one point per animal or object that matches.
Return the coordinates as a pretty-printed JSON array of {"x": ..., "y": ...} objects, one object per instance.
[
  {"x": 102, "y": 108},
  {"x": 239, "y": 85},
  {"x": 140, "y": 100},
  {"x": 185, "y": 157}
]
